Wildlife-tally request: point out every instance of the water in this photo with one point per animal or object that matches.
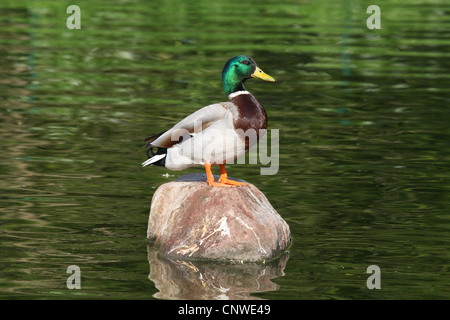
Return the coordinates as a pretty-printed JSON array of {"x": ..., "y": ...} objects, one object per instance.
[{"x": 364, "y": 144}]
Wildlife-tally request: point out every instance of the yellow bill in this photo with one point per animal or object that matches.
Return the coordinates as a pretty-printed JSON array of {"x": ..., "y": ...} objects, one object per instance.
[{"x": 258, "y": 73}]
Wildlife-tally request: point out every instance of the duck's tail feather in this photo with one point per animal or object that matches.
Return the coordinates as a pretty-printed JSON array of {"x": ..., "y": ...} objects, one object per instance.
[
  {"x": 149, "y": 140},
  {"x": 157, "y": 158}
]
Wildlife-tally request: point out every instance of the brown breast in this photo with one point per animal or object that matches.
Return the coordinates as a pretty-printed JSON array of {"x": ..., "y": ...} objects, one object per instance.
[{"x": 251, "y": 116}]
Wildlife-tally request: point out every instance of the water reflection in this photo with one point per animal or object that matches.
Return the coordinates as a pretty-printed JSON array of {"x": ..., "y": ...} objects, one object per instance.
[{"x": 194, "y": 280}]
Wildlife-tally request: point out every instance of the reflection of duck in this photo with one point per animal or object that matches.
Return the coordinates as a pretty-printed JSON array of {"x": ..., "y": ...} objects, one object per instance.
[
  {"x": 192, "y": 280},
  {"x": 218, "y": 133}
]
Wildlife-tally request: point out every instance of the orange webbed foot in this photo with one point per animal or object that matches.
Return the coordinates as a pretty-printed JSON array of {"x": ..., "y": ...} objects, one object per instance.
[
  {"x": 218, "y": 184},
  {"x": 210, "y": 178},
  {"x": 224, "y": 178},
  {"x": 226, "y": 181}
]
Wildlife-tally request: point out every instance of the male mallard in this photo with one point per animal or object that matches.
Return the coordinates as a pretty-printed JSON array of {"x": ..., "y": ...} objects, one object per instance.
[{"x": 218, "y": 133}]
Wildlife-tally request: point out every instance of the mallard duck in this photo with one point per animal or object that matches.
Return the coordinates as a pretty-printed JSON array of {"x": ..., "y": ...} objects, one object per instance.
[{"x": 218, "y": 133}]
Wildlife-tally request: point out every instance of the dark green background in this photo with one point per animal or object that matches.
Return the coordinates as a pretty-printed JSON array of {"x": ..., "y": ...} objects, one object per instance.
[{"x": 364, "y": 138}]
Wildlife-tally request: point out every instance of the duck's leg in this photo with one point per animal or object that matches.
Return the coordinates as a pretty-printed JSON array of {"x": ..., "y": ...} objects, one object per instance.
[
  {"x": 224, "y": 178},
  {"x": 210, "y": 177}
]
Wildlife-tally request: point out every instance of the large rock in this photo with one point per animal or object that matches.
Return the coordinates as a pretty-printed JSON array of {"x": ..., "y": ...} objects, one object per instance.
[{"x": 191, "y": 220}]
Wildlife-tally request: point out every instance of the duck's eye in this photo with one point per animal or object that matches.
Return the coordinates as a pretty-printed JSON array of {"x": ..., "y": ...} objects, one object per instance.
[{"x": 246, "y": 62}]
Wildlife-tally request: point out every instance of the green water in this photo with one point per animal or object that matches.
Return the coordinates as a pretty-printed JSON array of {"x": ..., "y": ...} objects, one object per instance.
[{"x": 364, "y": 147}]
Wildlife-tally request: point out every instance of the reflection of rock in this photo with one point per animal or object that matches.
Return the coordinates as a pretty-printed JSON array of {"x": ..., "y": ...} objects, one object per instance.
[
  {"x": 191, "y": 220},
  {"x": 195, "y": 280}
]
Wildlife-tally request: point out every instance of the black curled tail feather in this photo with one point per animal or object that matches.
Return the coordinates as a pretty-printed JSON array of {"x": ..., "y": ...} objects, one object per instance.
[{"x": 159, "y": 150}]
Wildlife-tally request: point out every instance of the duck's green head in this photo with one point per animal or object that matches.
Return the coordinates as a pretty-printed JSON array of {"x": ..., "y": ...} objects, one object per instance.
[{"x": 237, "y": 70}]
